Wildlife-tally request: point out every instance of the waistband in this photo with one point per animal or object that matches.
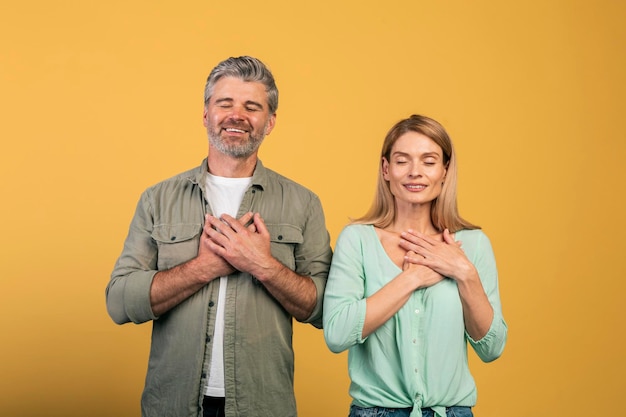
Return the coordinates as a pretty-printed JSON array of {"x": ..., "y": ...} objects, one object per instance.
[{"x": 213, "y": 401}]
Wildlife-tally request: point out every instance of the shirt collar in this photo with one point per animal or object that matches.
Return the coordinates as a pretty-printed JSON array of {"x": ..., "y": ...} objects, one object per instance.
[{"x": 259, "y": 176}]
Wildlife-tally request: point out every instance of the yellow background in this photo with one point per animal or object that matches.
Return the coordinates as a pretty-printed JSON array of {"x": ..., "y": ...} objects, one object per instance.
[{"x": 99, "y": 100}]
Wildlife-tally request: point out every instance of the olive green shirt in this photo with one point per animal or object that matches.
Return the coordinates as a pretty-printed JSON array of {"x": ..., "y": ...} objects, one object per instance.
[{"x": 258, "y": 353}]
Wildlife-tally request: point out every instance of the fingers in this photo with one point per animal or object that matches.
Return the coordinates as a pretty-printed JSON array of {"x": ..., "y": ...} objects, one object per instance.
[
  {"x": 449, "y": 239},
  {"x": 227, "y": 228},
  {"x": 260, "y": 225},
  {"x": 236, "y": 225},
  {"x": 415, "y": 241},
  {"x": 246, "y": 219},
  {"x": 409, "y": 236},
  {"x": 212, "y": 224},
  {"x": 215, "y": 231},
  {"x": 418, "y": 238},
  {"x": 412, "y": 257},
  {"x": 407, "y": 260},
  {"x": 412, "y": 242},
  {"x": 226, "y": 223}
]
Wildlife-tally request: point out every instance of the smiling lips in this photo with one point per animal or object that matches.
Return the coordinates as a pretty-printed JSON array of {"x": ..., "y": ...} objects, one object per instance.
[
  {"x": 415, "y": 187},
  {"x": 235, "y": 130}
]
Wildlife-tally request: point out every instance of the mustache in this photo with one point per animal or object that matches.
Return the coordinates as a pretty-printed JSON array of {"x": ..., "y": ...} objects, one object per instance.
[{"x": 236, "y": 125}]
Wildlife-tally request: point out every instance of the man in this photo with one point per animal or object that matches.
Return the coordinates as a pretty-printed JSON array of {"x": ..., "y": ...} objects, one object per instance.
[{"x": 220, "y": 258}]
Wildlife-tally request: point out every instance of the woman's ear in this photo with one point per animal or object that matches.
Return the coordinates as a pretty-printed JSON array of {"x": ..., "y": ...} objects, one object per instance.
[{"x": 385, "y": 168}]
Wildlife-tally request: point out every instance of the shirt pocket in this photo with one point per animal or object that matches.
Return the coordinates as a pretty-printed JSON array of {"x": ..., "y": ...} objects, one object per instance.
[
  {"x": 176, "y": 243},
  {"x": 284, "y": 239}
]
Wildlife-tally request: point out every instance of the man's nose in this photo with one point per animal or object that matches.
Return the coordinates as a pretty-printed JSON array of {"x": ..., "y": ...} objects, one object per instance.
[{"x": 236, "y": 113}]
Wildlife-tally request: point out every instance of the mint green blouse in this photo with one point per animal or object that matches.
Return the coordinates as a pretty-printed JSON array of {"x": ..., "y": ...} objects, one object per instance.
[{"x": 418, "y": 358}]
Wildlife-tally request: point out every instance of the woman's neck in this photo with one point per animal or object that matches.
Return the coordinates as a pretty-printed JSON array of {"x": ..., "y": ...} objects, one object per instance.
[
  {"x": 417, "y": 219},
  {"x": 425, "y": 227}
]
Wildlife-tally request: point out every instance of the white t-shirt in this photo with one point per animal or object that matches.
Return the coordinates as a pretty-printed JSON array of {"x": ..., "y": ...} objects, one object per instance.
[{"x": 224, "y": 196}]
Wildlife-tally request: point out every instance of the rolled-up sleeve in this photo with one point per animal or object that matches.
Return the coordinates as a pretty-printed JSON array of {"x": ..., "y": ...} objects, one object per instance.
[
  {"x": 314, "y": 255},
  {"x": 344, "y": 302},
  {"x": 128, "y": 291},
  {"x": 491, "y": 346}
]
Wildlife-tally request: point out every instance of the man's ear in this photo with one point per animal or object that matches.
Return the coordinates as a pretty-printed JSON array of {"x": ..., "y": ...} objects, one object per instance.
[
  {"x": 205, "y": 117},
  {"x": 270, "y": 124}
]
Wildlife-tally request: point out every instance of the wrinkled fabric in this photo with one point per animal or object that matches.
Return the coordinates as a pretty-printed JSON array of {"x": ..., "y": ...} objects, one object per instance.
[
  {"x": 258, "y": 354},
  {"x": 418, "y": 358}
]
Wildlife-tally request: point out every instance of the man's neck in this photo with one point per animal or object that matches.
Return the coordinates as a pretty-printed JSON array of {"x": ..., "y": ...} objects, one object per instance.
[{"x": 226, "y": 166}]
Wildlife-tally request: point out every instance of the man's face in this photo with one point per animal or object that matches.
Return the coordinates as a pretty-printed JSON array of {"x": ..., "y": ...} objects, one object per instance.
[{"x": 237, "y": 117}]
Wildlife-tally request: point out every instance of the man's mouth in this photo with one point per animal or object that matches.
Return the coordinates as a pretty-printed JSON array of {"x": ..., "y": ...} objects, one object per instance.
[{"x": 234, "y": 130}]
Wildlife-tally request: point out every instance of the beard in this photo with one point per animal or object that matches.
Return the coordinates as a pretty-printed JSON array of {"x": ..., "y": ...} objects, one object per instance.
[{"x": 235, "y": 149}]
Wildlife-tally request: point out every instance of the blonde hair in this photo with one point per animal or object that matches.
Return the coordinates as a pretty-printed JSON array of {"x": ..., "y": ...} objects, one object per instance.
[{"x": 443, "y": 212}]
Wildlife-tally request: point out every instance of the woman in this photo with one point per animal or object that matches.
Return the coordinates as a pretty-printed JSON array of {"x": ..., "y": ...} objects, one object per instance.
[{"x": 411, "y": 283}]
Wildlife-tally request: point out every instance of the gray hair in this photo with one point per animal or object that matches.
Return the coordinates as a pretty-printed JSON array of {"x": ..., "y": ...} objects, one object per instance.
[{"x": 247, "y": 69}]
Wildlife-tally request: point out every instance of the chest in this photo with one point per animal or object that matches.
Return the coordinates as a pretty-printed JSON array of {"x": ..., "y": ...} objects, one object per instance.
[{"x": 390, "y": 244}]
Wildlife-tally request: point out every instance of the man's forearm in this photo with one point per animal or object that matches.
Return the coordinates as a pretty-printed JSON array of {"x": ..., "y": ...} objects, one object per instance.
[
  {"x": 169, "y": 288},
  {"x": 296, "y": 293}
]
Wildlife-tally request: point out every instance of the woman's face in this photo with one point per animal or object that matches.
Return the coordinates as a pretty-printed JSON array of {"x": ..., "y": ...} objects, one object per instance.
[{"x": 415, "y": 169}]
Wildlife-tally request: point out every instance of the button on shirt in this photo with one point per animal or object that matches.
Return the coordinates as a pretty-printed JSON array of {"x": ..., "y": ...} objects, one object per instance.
[
  {"x": 165, "y": 232},
  {"x": 418, "y": 358}
]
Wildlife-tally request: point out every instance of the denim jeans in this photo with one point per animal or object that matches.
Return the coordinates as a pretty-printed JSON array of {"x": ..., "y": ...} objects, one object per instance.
[
  {"x": 356, "y": 411},
  {"x": 450, "y": 412}
]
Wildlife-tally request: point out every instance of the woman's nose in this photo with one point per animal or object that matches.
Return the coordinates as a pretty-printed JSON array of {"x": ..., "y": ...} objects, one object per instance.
[{"x": 414, "y": 171}]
